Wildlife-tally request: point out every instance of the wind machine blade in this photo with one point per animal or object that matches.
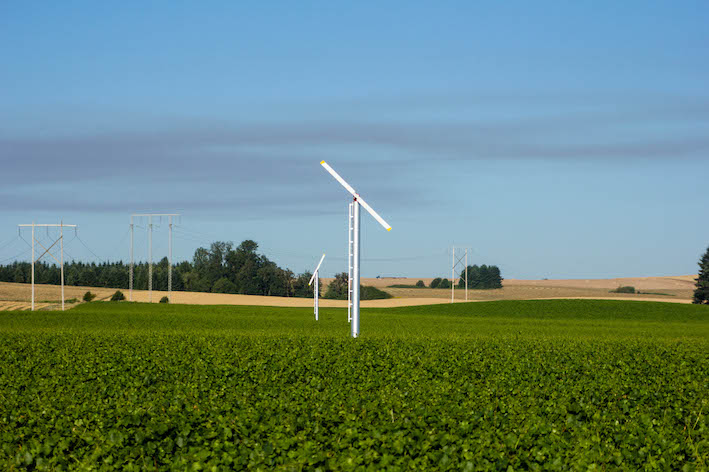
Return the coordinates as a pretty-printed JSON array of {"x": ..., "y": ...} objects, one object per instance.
[
  {"x": 316, "y": 270},
  {"x": 354, "y": 193}
]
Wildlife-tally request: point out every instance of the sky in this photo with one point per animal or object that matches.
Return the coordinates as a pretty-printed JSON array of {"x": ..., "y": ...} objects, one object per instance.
[{"x": 553, "y": 139}]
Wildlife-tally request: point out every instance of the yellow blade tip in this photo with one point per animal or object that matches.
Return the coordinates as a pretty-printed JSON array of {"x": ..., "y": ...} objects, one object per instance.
[
  {"x": 322, "y": 162},
  {"x": 389, "y": 228}
]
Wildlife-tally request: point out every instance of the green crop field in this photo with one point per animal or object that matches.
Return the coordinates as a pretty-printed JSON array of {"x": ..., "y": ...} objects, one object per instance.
[{"x": 509, "y": 385}]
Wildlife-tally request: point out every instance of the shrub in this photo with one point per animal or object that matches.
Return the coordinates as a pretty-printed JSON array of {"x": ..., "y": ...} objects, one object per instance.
[
  {"x": 88, "y": 296},
  {"x": 435, "y": 282},
  {"x": 445, "y": 283},
  {"x": 372, "y": 293},
  {"x": 626, "y": 289},
  {"x": 420, "y": 284},
  {"x": 118, "y": 296},
  {"x": 164, "y": 300}
]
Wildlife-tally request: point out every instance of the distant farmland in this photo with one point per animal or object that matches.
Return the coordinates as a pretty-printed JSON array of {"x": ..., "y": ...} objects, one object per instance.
[
  {"x": 674, "y": 289},
  {"x": 671, "y": 289}
]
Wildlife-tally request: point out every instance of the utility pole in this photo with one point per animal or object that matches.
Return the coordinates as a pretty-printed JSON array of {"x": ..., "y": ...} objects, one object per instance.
[
  {"x": 61, "y": 264},
  {"x": 130, "y": 272},
  {"x": 33, "y": 266},
  {"x": 150, "y": 253},
  {"x": 150, "y": 259},
  {"x": 466, "y": 274},
  {"x": 60, "y": 261},
  {"x": 169, "y": 260},
  {"x": 454, "y": 264}
]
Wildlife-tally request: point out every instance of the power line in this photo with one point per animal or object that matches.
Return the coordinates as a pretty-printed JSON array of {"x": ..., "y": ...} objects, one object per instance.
[
  {"x": 186, "y": 236},
  {"x": 189, "y": 237},
  {"x": 25, "y": 252},
  {"x": 8, "y": 243},
  {"x": 67, "y": 253},
  {"x": 98, "y": 258},
  {"x": 118, "y": 247},
  {"x": 199, "y": 233}
]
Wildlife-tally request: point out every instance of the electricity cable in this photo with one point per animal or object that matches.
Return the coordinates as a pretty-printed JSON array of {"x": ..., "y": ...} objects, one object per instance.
[
  {"x": 89, "y": 249},
  {"x": 30, "y": 245},
  {"x": 118, "y": 246},
  {"x": 8, "y": 243},
  {"x": 25, "y": 252}
]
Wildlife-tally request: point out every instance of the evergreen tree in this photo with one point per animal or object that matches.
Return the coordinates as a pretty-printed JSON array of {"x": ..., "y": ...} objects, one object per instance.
[
  {"x": 701, "y": 294},
  {"x": 19, "y": 275}
]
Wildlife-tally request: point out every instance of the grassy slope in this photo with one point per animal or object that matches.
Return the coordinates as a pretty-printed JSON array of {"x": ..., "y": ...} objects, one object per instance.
[{"x": 555, "y": 384}]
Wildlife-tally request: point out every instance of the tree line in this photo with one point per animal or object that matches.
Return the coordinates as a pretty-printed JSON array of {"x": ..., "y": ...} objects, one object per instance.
[
  {"x": 221, "y": 268},
  {"x": 484, "y": 277}
]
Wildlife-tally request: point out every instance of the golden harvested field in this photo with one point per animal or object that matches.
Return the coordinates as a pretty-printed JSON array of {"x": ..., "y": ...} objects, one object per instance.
[
  {"x": 17, "y": 296},
  {"x": 23, "y": 306},
  {"x": 677, "y": 289},
  {"x": 671, "y": 289}
]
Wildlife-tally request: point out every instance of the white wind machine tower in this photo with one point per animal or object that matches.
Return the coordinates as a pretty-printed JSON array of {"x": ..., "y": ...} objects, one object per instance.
[
  {"x": 354, "y": 247},
  {"x": 316, "y": 287}
]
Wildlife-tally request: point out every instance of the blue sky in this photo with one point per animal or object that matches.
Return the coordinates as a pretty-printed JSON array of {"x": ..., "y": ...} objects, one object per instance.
[{"x": 556, "y": 139}]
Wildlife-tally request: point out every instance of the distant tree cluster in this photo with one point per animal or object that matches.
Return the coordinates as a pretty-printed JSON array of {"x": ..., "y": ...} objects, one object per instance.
[
  {"x": 624, "y": 289},
  {"x": 440, "y": 283},
  {"x": 482, "y": 277},
  {"x": 337, "y": 290},
  {"x": 701, "y": 293},
  {"x": 219, "y": 269},
  {"x": 435, "y": 283}
]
